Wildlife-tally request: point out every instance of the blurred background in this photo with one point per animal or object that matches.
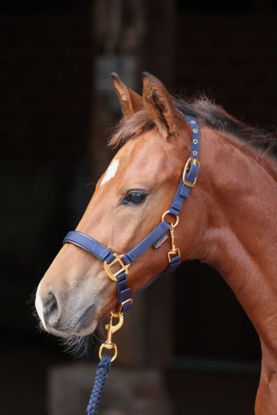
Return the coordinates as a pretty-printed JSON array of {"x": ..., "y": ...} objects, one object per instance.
[{"x": 187, "y": 347}]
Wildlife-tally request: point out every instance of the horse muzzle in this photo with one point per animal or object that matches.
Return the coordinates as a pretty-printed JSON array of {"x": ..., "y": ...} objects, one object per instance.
[{"x": 63, "y": 315}]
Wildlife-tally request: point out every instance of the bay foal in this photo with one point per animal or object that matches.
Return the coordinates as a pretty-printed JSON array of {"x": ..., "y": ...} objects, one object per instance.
[{"x": 229, "y": 221}]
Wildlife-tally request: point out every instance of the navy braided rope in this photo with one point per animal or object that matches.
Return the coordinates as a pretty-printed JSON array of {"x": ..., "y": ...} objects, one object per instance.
[{"x": 101, "y": 375}]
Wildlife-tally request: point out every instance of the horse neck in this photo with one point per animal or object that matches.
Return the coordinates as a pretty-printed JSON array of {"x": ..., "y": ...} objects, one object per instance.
[{"x": 239, "y": 235}]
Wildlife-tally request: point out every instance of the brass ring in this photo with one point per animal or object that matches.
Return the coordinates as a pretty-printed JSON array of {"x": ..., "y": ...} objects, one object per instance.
[
  {"x": 168, "y": 213},
  {"x": 111, "y": 346}
]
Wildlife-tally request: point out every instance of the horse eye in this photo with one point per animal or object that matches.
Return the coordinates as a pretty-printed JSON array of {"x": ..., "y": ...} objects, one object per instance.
[{"x": 134, "y": 197}]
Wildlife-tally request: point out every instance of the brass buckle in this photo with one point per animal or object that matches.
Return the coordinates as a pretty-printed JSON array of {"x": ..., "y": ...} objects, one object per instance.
[
  {"x": 121, "y": 305},
  {"x": 196, "y": 162},
  {"x": 117, "y": 260}
]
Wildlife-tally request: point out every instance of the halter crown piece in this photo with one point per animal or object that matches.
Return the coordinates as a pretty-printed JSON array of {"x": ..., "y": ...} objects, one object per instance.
[{"x": 117, "y": 265}]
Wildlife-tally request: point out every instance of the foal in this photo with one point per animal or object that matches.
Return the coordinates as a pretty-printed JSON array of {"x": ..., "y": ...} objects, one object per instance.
[{"x": 229, "y": 221}]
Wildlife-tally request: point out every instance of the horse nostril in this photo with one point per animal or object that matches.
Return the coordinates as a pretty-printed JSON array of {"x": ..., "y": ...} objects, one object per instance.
[{"x": 51, "y": 309}]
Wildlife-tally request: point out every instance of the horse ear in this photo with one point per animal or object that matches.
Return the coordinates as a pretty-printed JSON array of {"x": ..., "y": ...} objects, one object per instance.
[
  {"x": 159, "y": 104},
  {"x": 129, "y": 100}
]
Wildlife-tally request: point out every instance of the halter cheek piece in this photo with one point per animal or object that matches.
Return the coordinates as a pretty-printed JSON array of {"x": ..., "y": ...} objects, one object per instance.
[{"x": 117, "y": 266}]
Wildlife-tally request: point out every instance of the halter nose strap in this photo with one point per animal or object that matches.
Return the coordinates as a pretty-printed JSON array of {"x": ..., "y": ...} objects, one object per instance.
[
  {"x": 90, "y": 245},
  {"x": 111, "y": 260}
]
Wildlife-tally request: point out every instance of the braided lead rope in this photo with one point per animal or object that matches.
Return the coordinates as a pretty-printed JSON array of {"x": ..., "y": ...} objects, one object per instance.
[{"x": 101, "y": 375}]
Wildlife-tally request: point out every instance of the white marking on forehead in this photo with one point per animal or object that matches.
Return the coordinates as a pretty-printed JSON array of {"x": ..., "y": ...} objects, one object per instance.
[
  {"x": 111, "y": 171},
  {"x": 39, "y": 307}
]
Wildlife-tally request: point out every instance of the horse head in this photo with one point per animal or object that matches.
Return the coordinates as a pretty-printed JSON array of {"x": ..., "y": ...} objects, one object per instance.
[{"x": 129, "y": 201}]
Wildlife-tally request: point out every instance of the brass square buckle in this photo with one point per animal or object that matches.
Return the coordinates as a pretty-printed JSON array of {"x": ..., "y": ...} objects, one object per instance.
[
  {"x": 119, "y": 262},
  {"x": 172, "y": 253},
  {"x": 129, "y": 300},
  {"x": 196, "y": 162}
]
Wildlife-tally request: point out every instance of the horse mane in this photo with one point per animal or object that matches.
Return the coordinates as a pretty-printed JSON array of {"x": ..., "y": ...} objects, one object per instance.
[{"x": 208, "y": 113}]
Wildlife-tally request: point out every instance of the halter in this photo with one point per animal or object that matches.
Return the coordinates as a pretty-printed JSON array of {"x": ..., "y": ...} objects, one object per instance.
[{"x": 117, "y": 265}]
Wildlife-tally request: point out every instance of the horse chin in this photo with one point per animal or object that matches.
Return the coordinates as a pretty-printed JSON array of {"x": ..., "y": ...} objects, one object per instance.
[
  {"x": 72, "y": 331},
  {"x": 83, "y": 327},
  {"x": 84, "y": 331},
  {"x": 77, "y": 342}
]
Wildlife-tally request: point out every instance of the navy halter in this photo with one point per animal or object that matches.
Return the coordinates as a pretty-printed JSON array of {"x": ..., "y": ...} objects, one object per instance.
[{"x": 158, "y": 235}]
